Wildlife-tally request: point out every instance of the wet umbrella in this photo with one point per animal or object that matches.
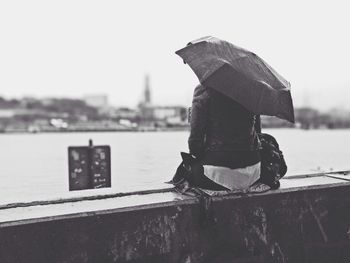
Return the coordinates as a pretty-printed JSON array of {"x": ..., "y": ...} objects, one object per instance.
[{"x": 241, "y": 75}]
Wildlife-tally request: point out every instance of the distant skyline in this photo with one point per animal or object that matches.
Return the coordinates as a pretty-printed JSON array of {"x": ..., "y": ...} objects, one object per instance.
[{"x": 73, "y": 48}]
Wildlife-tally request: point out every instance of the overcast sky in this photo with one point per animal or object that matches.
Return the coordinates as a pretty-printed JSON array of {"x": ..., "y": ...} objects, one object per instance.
[{"x": 74, "y": 48}]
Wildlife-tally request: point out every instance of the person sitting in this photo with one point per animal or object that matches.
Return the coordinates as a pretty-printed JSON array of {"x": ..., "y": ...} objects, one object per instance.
[{"x": 223, "y": 138}]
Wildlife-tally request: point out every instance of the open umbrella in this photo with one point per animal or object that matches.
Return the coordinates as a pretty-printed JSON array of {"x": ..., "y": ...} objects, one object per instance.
[{"x": 241, "y": 75}]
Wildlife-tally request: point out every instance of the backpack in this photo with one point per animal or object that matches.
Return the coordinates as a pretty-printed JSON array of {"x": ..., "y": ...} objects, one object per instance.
[{"x": 273, "y": 165}]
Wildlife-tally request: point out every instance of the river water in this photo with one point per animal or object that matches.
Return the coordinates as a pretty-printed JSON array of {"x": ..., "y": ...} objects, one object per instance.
[{"x": 35, "y": 166}]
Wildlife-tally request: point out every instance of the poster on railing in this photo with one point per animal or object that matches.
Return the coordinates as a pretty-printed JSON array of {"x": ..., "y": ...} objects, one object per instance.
[{"x": 89, "y": 167}]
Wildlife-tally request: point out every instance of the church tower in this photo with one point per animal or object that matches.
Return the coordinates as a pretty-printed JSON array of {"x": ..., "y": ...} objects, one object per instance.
[{"x": 147, "y": 94}]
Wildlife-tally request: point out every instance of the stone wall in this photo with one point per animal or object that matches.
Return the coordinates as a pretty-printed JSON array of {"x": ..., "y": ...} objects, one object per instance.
[{"x": 306, "y": 224}]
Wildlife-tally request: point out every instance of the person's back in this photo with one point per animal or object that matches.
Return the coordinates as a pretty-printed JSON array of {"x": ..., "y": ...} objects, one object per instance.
[
  {"x": 230, "y": 126},
  {"x": 223, "y": 136}
]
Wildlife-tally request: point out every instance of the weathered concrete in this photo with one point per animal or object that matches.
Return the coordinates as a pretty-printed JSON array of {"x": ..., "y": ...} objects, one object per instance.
[{"x": 307, "y": 220}]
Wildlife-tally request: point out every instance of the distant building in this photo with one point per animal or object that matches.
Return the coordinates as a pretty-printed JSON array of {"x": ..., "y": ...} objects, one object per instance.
[
  {"x": 7, "y": 113},
  {"x": 147, "y": 95},
  {"x": 97, "y": 101},
  {"x": 150, "y": 114},
  {"x": 124, "y": 113},
  {"x": 164, "y": 112},
  {"x": 163, "y": 115},
  {"x": 146, "y": 99},
  {"x": 145, "y": 108}
]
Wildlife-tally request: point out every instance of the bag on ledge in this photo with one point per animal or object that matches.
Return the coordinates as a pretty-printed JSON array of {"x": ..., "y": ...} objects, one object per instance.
[{"x": 273, "y": 165}]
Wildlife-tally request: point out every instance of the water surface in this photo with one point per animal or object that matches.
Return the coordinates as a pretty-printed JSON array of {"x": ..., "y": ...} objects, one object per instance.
[{"x": 35, "y": 166}]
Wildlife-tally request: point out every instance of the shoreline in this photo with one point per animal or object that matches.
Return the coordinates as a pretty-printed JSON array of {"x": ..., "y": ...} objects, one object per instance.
[
  {"x": 146, "y": 129},
  {"x": 143, "y": 129}
]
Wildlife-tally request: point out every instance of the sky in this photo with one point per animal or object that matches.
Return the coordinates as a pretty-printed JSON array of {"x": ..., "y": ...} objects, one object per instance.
[{"x": 75, "y": 48}]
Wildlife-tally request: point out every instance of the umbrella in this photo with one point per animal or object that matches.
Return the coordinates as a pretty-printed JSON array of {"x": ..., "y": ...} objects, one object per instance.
[{"x": 240, "y": 75}]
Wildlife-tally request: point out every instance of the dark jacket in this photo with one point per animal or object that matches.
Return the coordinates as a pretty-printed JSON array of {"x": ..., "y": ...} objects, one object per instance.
[{"x": 222, "y": 129}]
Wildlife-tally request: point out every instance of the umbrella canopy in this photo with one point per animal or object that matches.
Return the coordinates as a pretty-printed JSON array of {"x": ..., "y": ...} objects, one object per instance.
[{"x": 241, "y": 75}]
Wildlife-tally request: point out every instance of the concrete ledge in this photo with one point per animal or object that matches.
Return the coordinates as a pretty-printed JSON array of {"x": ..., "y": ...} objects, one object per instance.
[
  {"x": 307, "y": 220},
  {"x": 52, "y": 212}
]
